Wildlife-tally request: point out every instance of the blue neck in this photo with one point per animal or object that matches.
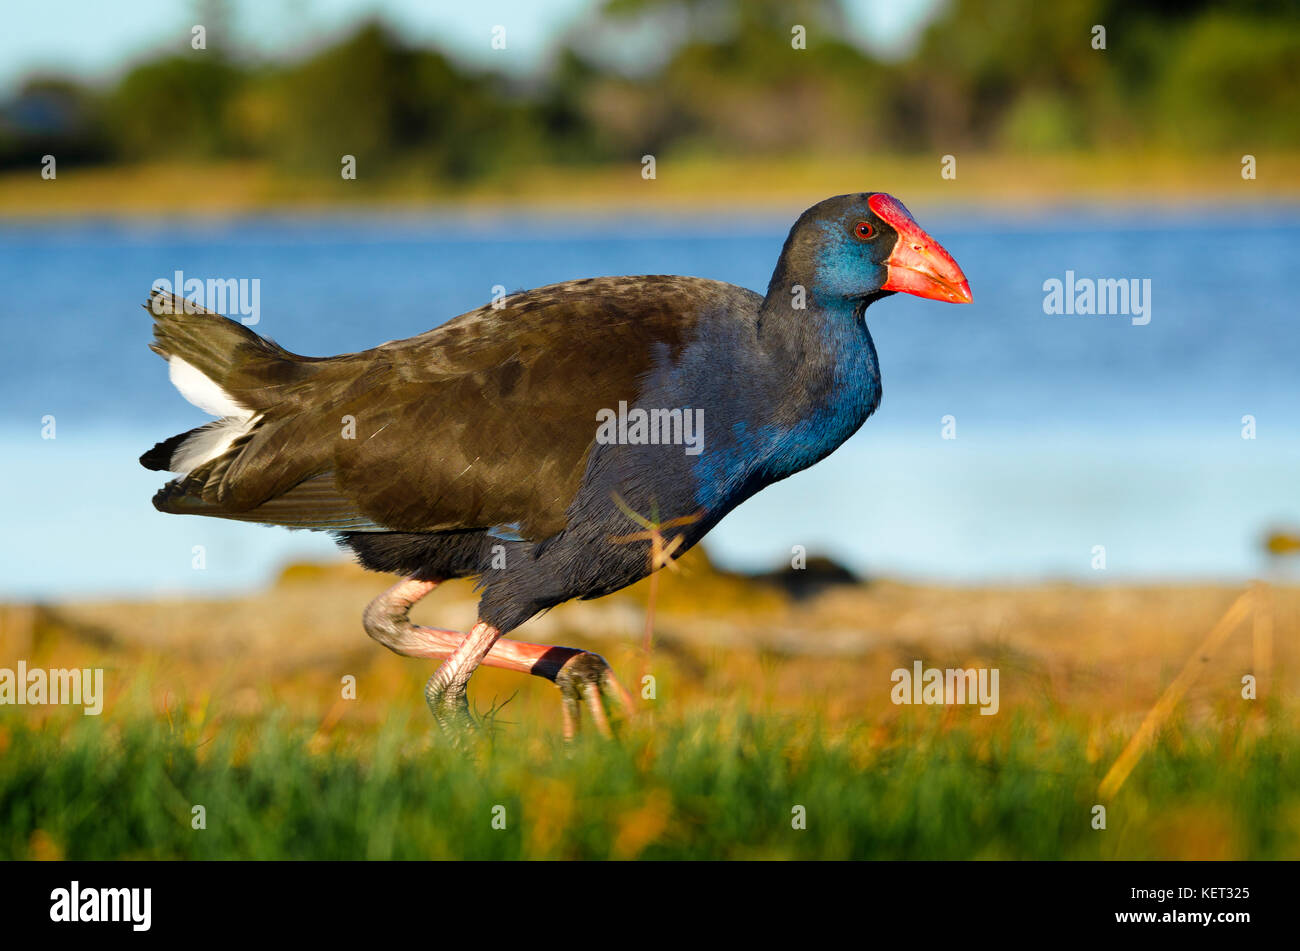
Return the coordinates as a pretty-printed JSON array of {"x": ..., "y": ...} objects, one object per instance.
[
  {"x": 825, "y": 383},
  {"x": 843, "y": 389}
]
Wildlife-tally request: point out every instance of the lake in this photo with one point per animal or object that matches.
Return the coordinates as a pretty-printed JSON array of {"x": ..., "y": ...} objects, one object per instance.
[{"x": 1071, "y": 432}]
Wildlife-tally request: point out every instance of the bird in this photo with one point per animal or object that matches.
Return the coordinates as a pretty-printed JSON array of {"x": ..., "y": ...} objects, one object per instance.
[{"x": 544, "y": 442}]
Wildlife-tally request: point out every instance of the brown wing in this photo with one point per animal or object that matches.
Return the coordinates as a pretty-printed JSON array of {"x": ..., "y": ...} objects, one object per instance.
[{"x": 484, "y": 421}]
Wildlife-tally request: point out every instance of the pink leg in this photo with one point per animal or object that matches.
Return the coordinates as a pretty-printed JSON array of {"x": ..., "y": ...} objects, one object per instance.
[
  {"x": 580, "y": 674},
  {"x": 446, "y": 690}
]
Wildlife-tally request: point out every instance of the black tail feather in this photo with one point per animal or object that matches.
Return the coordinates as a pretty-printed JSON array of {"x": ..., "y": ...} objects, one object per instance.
[{"x": 159, "y": 458}]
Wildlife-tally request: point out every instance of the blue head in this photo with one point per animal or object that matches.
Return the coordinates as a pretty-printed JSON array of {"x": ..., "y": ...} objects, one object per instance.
[{"x": 854, "y": 247}]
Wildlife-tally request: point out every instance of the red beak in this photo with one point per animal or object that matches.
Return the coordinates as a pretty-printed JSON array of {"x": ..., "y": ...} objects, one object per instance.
[{"x": 918, "y": 264}]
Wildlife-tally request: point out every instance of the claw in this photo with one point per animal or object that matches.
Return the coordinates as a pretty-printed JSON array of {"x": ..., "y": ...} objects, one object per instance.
[
  {"x": 596, "y": 705},
  {"x": 587, "y": 677}
]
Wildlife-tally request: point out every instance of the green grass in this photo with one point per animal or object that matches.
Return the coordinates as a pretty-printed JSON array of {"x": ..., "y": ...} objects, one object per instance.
[{"x": 705, "y": 786}]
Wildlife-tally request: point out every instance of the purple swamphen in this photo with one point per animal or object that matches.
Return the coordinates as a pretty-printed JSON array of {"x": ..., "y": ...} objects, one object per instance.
[{"x": 525, "y": 443}]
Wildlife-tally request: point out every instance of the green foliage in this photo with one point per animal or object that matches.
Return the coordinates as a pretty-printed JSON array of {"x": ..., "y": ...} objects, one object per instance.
[
  {"x": 706, "y": 786},
  {"x": 375, "y": 99},
  {"x": 712, "y": 77},
  {"x": 175, "y": 106},
  {"x": 1234, "y": 80}
]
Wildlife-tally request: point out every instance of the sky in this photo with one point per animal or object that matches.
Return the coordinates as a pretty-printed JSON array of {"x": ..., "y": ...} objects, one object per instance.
[{"x": 95, "y": 40}]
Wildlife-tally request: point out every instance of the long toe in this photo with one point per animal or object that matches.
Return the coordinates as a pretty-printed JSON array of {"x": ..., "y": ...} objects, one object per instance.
[{"x": 587, "y": 678}]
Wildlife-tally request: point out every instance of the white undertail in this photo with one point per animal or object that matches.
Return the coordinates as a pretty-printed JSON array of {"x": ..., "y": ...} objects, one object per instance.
[{"x": 214, "y": 439}]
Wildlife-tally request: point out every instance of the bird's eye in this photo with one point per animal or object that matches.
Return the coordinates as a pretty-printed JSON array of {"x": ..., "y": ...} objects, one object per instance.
[{"x": 864, "y": 230}]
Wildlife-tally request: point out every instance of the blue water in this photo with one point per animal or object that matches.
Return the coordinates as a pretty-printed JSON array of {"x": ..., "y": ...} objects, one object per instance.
[{"x": 1072, "y": 432}]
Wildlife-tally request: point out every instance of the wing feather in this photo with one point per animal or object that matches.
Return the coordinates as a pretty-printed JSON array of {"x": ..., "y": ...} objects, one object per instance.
[{"x": 484, "y": 421}]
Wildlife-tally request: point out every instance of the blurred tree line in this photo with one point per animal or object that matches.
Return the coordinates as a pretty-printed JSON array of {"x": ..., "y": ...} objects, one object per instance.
[{"x": 716, "y": 77}]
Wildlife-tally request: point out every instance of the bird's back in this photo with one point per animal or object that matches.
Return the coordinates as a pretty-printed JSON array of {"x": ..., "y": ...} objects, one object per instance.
[{"x": 486, "y": 420}]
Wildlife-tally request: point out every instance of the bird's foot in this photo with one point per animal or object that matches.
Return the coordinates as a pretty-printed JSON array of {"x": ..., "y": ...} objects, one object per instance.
[
  {"x": 587, "y": 677},
  {"x": 450, "y": 707}
]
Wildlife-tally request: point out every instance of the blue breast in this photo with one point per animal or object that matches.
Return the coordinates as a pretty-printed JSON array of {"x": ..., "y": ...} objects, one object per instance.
[{"x": 752, "y": 455}]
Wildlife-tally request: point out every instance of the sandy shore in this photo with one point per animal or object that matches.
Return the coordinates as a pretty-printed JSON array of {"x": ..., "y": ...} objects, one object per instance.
[
  {"x": 1107, "y": 651},
  {"x": 1015, "y": 184}
]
